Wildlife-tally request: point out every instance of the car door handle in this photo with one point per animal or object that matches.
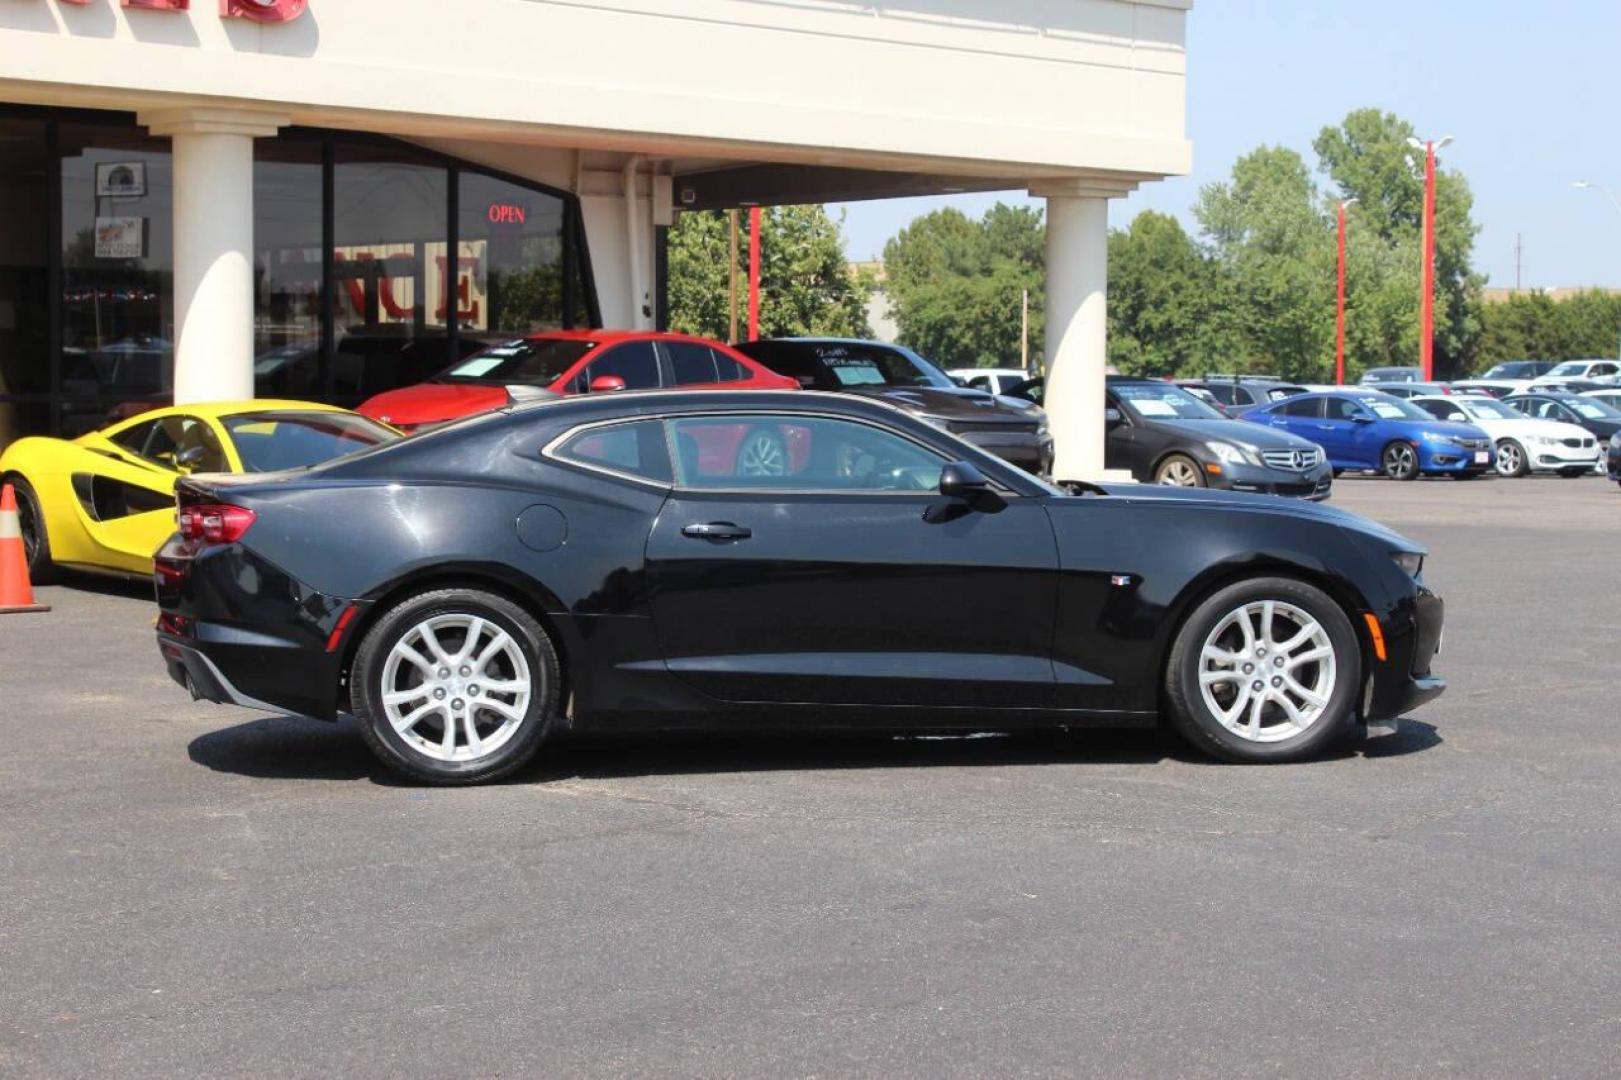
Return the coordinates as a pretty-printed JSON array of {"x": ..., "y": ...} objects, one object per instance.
[{"x": 717, "y": 530}]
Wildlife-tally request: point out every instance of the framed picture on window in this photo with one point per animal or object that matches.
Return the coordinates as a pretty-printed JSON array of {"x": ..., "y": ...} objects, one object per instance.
[{"x": 120, "y": 179}]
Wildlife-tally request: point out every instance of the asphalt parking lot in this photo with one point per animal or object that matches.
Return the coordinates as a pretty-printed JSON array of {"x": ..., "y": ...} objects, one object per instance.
[{"x": 188, "y": 889}]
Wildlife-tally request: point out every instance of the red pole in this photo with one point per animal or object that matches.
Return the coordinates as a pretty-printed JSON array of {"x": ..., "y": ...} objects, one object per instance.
[
  {"x": 1426, "y": 340},
  {"x": 754, "y": 273},
  {"x": 1339, "y": 311}
]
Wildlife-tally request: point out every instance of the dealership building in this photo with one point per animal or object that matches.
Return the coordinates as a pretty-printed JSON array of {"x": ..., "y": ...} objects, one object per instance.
[{"x": 320, "y": 199}]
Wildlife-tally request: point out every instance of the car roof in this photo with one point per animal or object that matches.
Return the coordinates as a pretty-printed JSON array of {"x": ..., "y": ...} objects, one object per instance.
[{"x": 612, "y": 337}]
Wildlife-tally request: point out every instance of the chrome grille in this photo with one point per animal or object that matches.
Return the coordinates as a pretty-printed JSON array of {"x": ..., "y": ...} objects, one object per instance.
[
  {"x": 1579, "y": 444},
  {"x": 1293, "y": 460}
]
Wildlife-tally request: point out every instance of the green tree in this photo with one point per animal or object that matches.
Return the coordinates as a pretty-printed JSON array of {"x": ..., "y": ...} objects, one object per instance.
[
  {"x": 1368, "y": 158},
  {"x": 956, "y": 286},
  {"x": 1167, "y": 301},
  {"x": 1533, "y": 326},
  {"x": 1275, "y": 247},
  {"x": 806, "y": 285}
]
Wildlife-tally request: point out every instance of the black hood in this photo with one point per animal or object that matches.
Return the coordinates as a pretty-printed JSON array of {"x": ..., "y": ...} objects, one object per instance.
[
  {"x": 951, "y": 403},
  {"x": 1236, "y": 431}
]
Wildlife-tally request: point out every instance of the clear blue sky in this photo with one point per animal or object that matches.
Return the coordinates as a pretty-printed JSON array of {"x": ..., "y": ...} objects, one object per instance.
[{"x": 1529, "y": 87}]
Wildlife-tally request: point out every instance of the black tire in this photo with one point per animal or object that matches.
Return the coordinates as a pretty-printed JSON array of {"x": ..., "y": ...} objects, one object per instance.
[
  {"x": 1179, "y": 464},
  {"x": 1512, "y": 450},
  {"x": 1195, "y": 721},
  {"x": 366, "y": 686},
  {"x": 36, "y": 540},
  {"x": 1338, "y": 473},
  {"x": 1399, "y": 461},
  {"x": 763, "y": 452}
]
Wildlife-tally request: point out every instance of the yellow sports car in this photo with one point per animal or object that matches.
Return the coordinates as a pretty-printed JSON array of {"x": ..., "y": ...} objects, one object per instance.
[{"x": 105, "y": 501}]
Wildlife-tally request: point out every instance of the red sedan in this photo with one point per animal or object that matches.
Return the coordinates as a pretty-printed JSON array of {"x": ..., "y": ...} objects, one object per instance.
[{"x": 572, "y": 362}]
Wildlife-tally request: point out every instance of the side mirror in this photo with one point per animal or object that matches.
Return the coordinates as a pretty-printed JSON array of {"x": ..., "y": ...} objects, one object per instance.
[
  {"x": 1458, "y": 417},
  {"x": 1361, "y": 418},
  {"x": 962, "y": 479},
  {"x": 607, "y": 384},
  {"x": 1113, "y": 416}
]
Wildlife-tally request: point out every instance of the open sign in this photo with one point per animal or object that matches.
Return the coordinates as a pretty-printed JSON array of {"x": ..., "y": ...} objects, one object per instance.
[{"x": 507, "y": 214}]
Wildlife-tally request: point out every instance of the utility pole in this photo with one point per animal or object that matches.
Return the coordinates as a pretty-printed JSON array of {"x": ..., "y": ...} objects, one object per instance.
[
  {"x": 1024, "y": 334},
  {"x": 1339, "y": 299},
  {"x": 732, "y": 337}
]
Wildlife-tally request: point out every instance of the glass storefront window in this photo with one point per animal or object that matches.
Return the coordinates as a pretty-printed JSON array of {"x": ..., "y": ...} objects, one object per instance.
[
  {"x": 287, "y": 248},
  {"x": 87, "y": 317},
  {"x": 117, "y": 274},
  {"x": 26, "y": 174},
  {"x": 511, "y": 275},
  {"x": 391, "y": 244}
]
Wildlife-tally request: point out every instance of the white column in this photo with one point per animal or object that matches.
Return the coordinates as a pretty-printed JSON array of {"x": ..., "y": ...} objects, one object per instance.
[
  {"x": 213, "y": 247},
  {"x": 1077, "y": 325}
]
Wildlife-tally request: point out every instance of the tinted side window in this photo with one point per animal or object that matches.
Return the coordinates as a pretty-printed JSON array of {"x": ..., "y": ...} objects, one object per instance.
[
  {"x": 1438, "y": 409},
  {"x": 693, "y": 364},
  {"x": 134, "y": 439},
  {"x": 1222, "y": 392},
  {"x": 1342, "y": 409},
  {"x": 1300, "y": 407},
  {"x": 798, "y": 453},
  {"x": 634, "y": 361},
  {"x": 729, "y": 370},
  {"x": 637, "y": 448}
]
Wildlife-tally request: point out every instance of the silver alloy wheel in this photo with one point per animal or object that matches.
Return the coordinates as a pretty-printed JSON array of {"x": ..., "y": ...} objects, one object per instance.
[
  {"x": 1510, "y": 458},
  {"x": 456, "y": 687},
  {"x": 763, "y": 454},
  {"x": 1267, "y": 671},
  {"x": 1401, "y": 460},
  {"x": 1178, "y": 472}
]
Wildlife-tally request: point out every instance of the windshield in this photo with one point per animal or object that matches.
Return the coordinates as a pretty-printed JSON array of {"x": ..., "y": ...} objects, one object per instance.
[
  {"x": 1570, "y": 368},
  {"x": 842, "y": 365},
  {"x": 271, "y": 441},
  {"x": 1392, "y": 374},
  {"x": 525, "y": 362},
  {"x": 1593, "y": 410},
  {"x": 1393, "y": 408},
  {"x": 1514, "y": 369},
  {"x": 1163, "y": 402},
  {"x": 1491, "y": 410}
]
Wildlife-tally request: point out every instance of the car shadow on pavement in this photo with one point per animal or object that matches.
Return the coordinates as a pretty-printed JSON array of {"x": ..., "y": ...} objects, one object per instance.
[{"x": 289, "y": 748}]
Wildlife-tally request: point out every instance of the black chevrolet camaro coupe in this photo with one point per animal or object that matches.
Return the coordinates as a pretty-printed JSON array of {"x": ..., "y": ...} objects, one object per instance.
[{"x": 614, "y": 562}]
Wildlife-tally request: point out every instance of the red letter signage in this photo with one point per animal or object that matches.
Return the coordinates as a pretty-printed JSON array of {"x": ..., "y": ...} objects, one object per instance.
[
  {"x": 263, "y": 10},
  {"x": 159, "y": 5}
]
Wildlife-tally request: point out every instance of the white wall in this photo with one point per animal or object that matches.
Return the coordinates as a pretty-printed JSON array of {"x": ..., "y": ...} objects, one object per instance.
[{"x": 1016, "y": 88}]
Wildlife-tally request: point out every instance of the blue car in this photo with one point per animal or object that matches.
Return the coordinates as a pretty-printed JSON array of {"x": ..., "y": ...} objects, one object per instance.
[{"x": 1366, "y": 429}]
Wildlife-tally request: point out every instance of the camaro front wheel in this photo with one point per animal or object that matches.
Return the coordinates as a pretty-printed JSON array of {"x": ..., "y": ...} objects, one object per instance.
[
  {"x": 455, "y": 686},
  {"x": 1266, "y": 670}
]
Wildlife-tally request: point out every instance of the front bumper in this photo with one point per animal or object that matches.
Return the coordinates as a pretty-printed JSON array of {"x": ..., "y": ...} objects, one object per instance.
[
  {"x": 1032, "y": 453},
  {"x": 1446, "y": 459},
  {"x": 1403, "y": 680},
  {"x": 1612, "y": 462},
  {"x": 1315, "y": 484}
]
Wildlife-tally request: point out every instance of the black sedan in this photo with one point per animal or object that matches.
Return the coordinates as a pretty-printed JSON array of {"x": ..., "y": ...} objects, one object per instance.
[
  {"x": 1600, "y": 419},
  {"x": 1011, "y": 428},
  {"x": 603, "y": 563},
  {"x": 1165, "y": 435}
]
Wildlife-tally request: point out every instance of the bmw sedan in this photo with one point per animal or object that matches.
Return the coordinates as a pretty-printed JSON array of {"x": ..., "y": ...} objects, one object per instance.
[
  {"x": 1368, "y": 430},
  {"x": 600, "y": 563},
  {"x": 1164, "y": 435}
]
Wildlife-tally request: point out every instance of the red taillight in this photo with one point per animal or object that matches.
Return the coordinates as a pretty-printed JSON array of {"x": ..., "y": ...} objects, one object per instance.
[{"x": 214, "y": 523}]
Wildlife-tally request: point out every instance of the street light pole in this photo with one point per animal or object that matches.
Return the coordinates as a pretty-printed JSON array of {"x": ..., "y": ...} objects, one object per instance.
[
  {"x": 1426, "y": 341},
  {"x": 1339, "y": 307}
]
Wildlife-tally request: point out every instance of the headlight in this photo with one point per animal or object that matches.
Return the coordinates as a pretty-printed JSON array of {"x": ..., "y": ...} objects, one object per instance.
[
  {"x": 1041, "y": 430},
  {"x": 1410, "y": 561},
  {"x": 1615, "y": 441},
  {"x": 1233, "y": 455}
]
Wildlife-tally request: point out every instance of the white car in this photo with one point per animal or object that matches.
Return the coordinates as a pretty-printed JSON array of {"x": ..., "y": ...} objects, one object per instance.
[
  {"x": 1599, "y": 371},
  {"x": 1497, "y": 388},
  {"x": 1524, "y": 443},
  {"x": 995, "y": 380},
  {"x": 1612, "y": 398}
]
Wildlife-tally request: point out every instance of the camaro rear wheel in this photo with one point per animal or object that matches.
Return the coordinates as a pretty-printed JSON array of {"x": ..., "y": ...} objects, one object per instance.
[
  {"x": 1400, "y": 461},
  {"x": 1266, "y": 670},
  {"x": 1179, "y": 470},
  {"x": 36, "y": 542},
  {"x": 1511, "y": 460},
  {"x": 455, "y": 686}
]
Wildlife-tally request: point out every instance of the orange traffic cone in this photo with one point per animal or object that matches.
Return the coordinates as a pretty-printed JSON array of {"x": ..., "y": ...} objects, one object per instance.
[{"x": 16, "y": 594}]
